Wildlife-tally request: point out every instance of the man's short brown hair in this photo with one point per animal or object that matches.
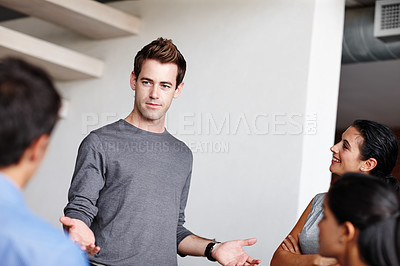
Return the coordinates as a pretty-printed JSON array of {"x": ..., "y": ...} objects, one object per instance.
[
  {"x": 29, "y": 105},
  {"x": 164, "y": 51}
]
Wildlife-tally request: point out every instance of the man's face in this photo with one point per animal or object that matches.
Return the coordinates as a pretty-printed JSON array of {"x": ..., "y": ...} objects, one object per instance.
[{"x": 155, "y": 88}]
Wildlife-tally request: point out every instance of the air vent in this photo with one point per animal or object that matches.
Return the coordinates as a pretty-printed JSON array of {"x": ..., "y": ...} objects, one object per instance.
[{"x": 387, "y": 20}]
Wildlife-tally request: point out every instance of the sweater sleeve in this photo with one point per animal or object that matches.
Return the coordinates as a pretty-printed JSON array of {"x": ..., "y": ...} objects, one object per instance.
[
  {"x": 182, "y": 232},
  {"x": 87, "y": 181}
]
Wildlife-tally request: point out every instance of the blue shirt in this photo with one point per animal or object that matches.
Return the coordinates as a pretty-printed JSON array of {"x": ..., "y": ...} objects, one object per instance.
[{"x": 25, "y": 239}]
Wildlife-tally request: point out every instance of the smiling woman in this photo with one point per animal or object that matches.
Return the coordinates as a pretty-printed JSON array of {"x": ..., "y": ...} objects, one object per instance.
[
  {"x": 366, "y": 147},
  {"x": 346, "y": 154}
]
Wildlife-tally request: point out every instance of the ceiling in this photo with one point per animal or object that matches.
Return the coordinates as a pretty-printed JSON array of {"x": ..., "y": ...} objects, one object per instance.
[{"x": 8, "y": 14}]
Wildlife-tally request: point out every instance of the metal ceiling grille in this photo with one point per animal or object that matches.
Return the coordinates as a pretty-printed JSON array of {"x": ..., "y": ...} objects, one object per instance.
[
  {"x": 390, "y": 16},
  {"x": 387, "y": 20}
]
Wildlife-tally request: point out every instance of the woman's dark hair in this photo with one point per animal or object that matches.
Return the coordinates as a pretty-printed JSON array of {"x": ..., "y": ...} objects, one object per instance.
[
  {"x": 379, "y": 143},
  {"x": 29, "y": 107},
  {"x": 372, "y": 206}
]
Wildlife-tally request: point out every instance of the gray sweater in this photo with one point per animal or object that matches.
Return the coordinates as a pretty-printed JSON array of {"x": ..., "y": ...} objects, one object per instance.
[{"x": 130, "y": 187}]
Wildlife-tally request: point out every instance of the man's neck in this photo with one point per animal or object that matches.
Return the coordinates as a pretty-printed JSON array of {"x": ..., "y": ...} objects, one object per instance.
[
  {"x": 14, "y": 174},
  {"x": 154, "y": 126}
]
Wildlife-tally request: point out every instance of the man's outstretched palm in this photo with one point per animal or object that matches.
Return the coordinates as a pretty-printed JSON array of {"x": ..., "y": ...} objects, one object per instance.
[
  {"x": 81, "y": 234},
  {"x": 231, "y": 253}
]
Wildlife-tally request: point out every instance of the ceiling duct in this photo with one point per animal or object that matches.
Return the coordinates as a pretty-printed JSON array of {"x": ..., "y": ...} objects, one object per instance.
[{"x": 359, "y": 42}]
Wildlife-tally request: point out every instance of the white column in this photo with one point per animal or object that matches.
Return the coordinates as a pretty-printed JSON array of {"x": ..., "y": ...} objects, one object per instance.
[{"x": 321, "y": 99}]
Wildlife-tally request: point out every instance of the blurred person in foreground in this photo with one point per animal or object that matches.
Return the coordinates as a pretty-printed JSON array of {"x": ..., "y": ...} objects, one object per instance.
[
  {"x": 361, "y": 224},
  {"x": 29, "y": 106}
]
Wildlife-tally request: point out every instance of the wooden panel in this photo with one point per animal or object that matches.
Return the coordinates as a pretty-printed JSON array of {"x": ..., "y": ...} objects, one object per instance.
[
  {"x": 61, "y": 63},
  {"x": 86, "y": 17}
]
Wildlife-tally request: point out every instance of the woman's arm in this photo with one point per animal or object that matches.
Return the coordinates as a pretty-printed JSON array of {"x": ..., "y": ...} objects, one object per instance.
[{"x": 288, "y": 252}]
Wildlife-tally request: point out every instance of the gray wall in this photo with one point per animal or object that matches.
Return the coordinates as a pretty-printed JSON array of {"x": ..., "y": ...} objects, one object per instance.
[{"x": 252, "y": 83}]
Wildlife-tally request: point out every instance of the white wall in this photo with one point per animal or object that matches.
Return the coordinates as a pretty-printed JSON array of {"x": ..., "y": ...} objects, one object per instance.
[
  {"x": 322, "y": 94},
  {"x": 250, "y": 61}
]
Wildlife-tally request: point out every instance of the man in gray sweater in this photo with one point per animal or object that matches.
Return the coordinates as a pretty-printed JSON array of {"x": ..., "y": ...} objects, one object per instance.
[{"x": 131, "y": 181}]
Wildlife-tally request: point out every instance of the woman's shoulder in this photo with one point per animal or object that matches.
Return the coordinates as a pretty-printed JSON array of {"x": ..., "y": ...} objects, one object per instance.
[{"x": 318, "y": 200}]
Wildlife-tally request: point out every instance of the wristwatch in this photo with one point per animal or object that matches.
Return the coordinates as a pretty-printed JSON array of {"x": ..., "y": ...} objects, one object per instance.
[{"x": 209, "y": 248}]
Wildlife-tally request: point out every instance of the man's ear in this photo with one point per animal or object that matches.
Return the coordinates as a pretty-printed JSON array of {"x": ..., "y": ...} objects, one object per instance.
[
  {"x": 368, "y": 165},
  {"x": 38, "y": 147},
  {"x": 178, "y": 90},
  {"x": 133, "y": 80}
]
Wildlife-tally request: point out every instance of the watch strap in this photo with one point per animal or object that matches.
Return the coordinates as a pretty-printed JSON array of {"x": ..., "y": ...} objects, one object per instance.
[{"x": 209, "y": 248}]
